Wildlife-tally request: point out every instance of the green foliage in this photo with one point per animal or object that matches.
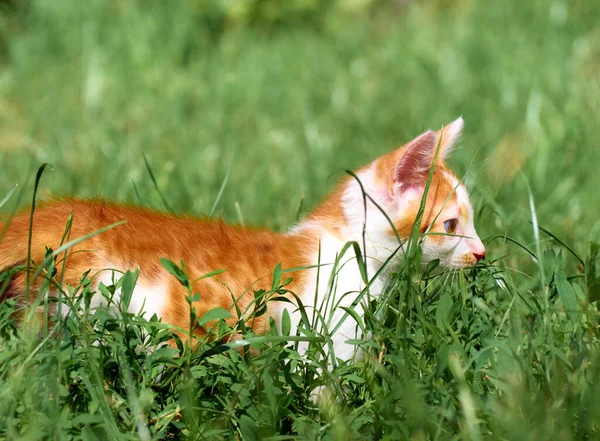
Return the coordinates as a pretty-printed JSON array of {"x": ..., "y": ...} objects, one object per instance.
[
  {"x": 593, "y": 270},
  {"x": 460, "y": 353},
  {"x": 163, "y": 103}
]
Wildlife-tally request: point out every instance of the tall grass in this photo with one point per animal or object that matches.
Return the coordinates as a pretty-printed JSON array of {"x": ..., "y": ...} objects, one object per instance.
[{"x": 258, "y": 126}]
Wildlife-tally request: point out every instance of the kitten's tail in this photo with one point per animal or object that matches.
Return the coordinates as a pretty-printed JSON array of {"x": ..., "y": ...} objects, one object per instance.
[
  {"x": 21, "y": 253},
  {"x": 12, "y": 281},
  {"x": 13, "y": 257},
  {"x": 13, "y": 276}
]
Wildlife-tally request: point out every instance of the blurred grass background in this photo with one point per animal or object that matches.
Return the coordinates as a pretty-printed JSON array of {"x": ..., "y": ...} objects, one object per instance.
[
  {"x": 287, "y": 95},
  {"x": 291, "y": 93}
]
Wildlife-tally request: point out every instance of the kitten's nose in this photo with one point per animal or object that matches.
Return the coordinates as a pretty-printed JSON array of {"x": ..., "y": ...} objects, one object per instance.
[{"x": 477, "y": 248}]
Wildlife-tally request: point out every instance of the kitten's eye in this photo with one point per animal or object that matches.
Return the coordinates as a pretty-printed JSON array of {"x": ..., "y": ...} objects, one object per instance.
[{"x": 450, "y": 225}]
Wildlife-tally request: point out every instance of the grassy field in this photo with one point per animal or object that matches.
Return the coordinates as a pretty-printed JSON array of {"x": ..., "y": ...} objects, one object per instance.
[{"x": 106, "y": 90}]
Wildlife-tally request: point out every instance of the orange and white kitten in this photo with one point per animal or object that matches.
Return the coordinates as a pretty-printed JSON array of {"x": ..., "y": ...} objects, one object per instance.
[{"x": 394, "y": 181}]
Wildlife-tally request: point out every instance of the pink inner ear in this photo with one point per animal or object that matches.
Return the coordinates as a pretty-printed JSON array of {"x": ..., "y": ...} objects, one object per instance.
[{"x": 414, "y": 165}]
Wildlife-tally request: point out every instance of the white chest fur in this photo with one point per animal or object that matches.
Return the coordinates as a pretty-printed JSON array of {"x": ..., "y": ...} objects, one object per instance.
[{"x": 334, "y": 287}]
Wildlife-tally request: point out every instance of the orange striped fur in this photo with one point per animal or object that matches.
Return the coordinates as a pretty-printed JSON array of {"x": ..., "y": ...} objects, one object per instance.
[{"x": 395, "y": 181}]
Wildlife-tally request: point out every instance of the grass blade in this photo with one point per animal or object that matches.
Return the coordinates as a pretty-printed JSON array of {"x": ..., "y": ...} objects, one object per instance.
[{"x": 151, "y": 173}]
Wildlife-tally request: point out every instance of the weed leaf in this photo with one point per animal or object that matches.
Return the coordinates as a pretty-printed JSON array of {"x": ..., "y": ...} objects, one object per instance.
[
  {"x": 567, "y": 295},
  {"x": 214, "y": 314},
  {"x": 174, "y": 270}
]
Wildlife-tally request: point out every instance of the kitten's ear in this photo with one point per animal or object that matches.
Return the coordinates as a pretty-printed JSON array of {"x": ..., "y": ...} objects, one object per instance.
[
  {"x": 408, "y": 167},
  {"x": 413, "y": 168},
  {"x": 450, "y": 135}
]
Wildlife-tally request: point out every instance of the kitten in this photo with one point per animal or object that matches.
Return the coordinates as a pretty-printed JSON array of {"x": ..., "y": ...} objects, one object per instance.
[{"x": 395, "y": 181}]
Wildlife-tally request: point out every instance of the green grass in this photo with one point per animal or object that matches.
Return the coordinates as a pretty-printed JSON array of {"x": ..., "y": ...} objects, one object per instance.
[{"x": 507, "y": 352}]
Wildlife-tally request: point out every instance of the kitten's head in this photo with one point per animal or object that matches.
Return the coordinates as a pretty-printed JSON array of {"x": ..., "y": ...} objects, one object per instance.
[{"x": 397, "y": 182}]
